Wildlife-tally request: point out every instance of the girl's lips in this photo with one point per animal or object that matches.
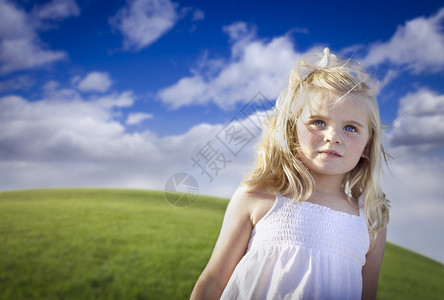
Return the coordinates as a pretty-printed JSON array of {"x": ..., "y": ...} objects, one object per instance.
[{"x": 330, "y": 153}]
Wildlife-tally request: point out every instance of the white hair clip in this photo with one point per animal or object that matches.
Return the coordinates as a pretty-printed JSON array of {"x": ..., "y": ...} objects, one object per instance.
[{"x": 328, "y": 59}]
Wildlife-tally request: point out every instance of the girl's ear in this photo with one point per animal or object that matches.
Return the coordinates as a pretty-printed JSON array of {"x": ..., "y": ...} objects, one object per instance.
[{"x": 364, "y": 152}]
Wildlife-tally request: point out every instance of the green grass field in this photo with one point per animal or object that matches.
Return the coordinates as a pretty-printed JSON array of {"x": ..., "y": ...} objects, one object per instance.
[{"x": 129, "y": 244}]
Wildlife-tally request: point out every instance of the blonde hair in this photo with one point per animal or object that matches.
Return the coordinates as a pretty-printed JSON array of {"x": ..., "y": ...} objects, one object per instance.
[{"x": 277, "y": 164}]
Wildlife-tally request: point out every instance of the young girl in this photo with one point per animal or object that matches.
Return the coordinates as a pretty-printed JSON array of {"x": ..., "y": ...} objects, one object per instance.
[{"x": 310, "y": 220}]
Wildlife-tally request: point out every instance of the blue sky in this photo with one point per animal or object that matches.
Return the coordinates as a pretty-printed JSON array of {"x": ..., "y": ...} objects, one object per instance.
[{"x": 125, "y": 93}]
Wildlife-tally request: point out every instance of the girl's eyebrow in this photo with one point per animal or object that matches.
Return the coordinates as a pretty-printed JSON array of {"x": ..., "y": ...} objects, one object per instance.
[
  {"x": 355, "y": 123},
  {"x": 317, "y": 117}
]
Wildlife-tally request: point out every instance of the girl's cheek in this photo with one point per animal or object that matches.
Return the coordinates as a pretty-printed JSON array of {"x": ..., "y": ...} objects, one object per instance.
[
  {"x": 316, "y": 136},
  {"x": 359, "y": 145},
  {"x": 307, "y": 138}
]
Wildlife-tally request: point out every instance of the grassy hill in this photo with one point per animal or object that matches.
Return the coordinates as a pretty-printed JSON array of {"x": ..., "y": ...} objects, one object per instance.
[{"x": 129, "y": 244}]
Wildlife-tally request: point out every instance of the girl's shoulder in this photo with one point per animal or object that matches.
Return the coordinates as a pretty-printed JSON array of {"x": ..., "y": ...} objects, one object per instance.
[{"x": 258, "y": 199}]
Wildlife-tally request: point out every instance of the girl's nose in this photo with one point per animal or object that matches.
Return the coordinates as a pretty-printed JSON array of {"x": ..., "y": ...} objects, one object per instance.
[{"x": 331, "y": 137}]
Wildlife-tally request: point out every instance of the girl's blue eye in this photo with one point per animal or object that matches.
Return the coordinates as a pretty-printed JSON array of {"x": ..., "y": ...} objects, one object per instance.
[
  {"x": 319, "y": 123},
  {"x": 350, "y": 128}
]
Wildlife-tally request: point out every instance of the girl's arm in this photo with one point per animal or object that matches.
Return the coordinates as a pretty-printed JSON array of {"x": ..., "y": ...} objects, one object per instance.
[
  {"x": 370, "y": 271},
  {"x": 229, "y": 249}
]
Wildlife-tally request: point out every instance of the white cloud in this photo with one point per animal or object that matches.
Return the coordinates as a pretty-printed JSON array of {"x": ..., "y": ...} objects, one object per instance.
[
  {"x": 22, "y": 82},
  {"x": 240, "y": 31},
  {"x": 61, "y": 127},
  {"x": 64, "y": 140},
  {"x": 420, "y": 122},
  {"x": 198, "y": 15},
  {"x": 20, "y": 46},
  {"x": 254, "y": 66},
  {"x": 415, "y": 189},
  {"x": 136, "y": 118},
  {"x": 189, "y": 90},
  {"x": 56, "y": 10},
  {"x": 24, "y": 53},
  {"x": 142, "y": 22},
  {"x": 124, "y": 99},
  {"x": 95, "y": 82},
  {"x": 414, "y": 182},
  {"x": 52, "y": 92},
  {"x": 418, "y": 45},
  {"x": 13, "y": 21}
]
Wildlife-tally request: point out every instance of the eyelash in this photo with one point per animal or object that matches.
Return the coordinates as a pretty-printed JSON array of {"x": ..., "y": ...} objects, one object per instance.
[{"x": 346, "y": 128}]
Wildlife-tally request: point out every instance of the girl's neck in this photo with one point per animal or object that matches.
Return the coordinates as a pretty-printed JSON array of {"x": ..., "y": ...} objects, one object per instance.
[{"x": 328, "y": 185}]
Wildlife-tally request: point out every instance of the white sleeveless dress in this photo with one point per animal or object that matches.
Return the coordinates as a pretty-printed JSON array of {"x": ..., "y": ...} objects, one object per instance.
[{"x": 301, "y": 250}]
